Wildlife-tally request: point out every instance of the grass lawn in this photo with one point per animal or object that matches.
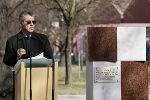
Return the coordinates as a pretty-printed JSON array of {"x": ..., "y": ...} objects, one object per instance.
[{"x": 78, "y": 85}]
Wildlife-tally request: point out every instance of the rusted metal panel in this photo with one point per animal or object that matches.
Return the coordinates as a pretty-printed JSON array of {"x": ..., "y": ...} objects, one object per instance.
[
  {"x": 102, "y": 44},
  {"x": 134, "y": 80}
]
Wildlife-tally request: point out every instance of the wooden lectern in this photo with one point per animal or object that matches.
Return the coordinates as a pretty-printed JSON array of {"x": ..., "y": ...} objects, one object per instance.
[{"x": 44, "y": 81}]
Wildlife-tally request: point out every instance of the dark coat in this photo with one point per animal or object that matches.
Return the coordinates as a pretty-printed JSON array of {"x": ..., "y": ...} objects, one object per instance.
[{"x": 34, "y": 45}]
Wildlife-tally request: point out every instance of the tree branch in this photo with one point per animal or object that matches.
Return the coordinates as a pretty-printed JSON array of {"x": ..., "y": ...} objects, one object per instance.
[
  {"x": 87, "y": 4},
  {"x": 60, "y": 5},
  {"x": 63, "y": 11},
  {"x": 16, "y": 8}
]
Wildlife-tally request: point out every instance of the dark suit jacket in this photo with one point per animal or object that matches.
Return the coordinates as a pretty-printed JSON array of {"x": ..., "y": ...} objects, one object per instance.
[{"x": 34, "y": 45}]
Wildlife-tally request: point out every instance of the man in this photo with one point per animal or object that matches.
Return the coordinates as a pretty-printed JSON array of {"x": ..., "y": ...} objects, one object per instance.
[{"x": 27, "y": 42}]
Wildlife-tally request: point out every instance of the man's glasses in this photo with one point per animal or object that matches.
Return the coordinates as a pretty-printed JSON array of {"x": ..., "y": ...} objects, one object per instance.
[{"x": 29, "y": 22}]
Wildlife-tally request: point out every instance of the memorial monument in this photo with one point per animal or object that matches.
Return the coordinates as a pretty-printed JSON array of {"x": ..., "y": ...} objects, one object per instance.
[{"x": 117, "y": 67}]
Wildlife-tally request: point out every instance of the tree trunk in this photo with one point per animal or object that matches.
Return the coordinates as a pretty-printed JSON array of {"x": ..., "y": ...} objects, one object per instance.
[
  {"x": 68, "y": 79},
  {"x": 62, "y": 59},
  {"x": 6, "y": 79},
  {"x": 81, "y": 59}
]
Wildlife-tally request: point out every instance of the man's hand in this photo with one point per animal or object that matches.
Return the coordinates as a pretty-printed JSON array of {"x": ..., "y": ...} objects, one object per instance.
[{"x": 20, "y": 52}]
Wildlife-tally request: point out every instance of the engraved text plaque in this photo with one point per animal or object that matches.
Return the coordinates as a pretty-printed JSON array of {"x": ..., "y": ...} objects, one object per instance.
[{"x": 109, "y": 74}]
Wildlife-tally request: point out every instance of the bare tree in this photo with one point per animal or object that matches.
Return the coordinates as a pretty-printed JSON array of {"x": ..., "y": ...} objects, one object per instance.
[
  {"x": 74, "y": 11},
  {"x": 6, "y": 81},
  {"x": 71, "y": 11},
  {"x": 122, "y": 6}
]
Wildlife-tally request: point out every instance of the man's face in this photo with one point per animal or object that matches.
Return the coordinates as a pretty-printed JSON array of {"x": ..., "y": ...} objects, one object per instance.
[{"x": 28, "y": 24}]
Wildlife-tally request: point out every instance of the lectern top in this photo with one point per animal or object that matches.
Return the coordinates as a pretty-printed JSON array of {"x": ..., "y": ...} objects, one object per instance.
[{"x": 36, "y": 63}]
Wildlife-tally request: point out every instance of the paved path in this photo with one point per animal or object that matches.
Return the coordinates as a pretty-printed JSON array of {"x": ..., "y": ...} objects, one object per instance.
[
  {"x": 74, "y": 97},
  {"x": 71, "y": 97}
]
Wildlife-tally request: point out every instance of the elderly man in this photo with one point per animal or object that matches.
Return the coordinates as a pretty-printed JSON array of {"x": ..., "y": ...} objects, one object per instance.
[{"x": 27, "y": 42}]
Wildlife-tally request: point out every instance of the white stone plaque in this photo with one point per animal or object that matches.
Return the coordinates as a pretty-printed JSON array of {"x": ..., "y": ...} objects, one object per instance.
[
  {"x": 106, "y": 80},
  {"x": 131, "y": 43},
  {"x": 108, "y": 74}
]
